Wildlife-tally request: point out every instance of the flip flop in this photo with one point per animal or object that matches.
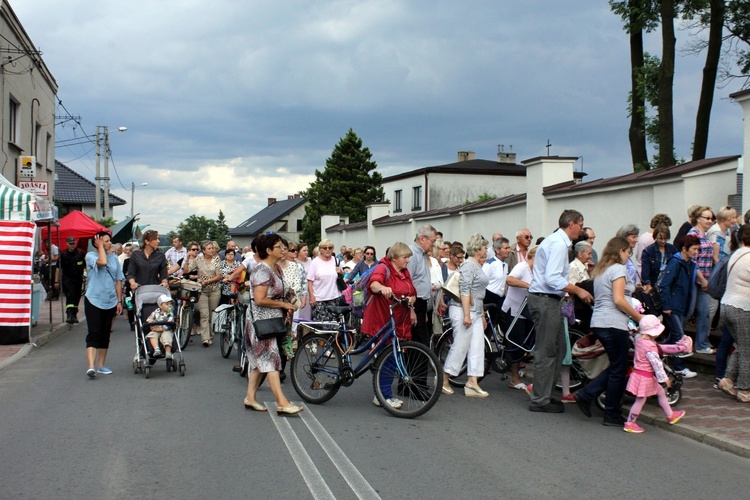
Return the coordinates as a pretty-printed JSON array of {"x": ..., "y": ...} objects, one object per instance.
[{"x": 520, "y": 386}]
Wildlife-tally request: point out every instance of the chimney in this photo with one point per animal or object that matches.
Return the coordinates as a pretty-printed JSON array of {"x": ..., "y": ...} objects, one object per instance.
[
  {"x": 290, "y": 197},
  {"x": 297, "y": 195},
  {"x": 271, "y": 201},
  {"x": 503, "y": 157},
  {"x": 465, "y": 155}
]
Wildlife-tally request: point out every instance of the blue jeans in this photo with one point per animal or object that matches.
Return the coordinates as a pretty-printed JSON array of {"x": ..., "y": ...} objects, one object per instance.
[
  {"x": 675, "y": 324},
  {"x": 704, "y": 307},
  {"x": 613, "y": 380}
]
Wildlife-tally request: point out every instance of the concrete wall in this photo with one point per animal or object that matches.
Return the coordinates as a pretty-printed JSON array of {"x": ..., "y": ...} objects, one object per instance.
[
  {"x": 605, "y": 209},
  {"x": 449, "y": 190}
]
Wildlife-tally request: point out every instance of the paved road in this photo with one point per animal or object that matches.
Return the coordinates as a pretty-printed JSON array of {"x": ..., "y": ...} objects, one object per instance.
[{"x": 65, "y": 436}]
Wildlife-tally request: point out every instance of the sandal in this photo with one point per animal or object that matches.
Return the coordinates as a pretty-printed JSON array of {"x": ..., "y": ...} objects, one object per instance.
[
  {"x": 254, "y": 405},
  {"x": 289, "y": 410},
  {"x": 520, "y": 386},
  {"x": 743, "y": 396},
  {"x": 448, "y": 390},
  {"x": 727, "y": 385}
]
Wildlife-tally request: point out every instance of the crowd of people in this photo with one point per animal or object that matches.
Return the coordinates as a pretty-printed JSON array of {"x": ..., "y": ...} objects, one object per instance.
[{"x": 672, "y": 282}]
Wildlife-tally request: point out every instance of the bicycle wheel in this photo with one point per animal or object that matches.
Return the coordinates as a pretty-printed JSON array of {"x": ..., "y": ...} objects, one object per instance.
[
  {"x": 416, "y": 383},
  {"x": 315, "y": 369},
  {"x": 227, "y": 339},
  {"x": 444, "y": 346},
  {"x": 184, "y": 326}
]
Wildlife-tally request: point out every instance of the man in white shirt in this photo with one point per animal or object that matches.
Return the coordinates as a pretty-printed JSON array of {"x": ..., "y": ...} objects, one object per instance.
[
  {"x": 496, "y": 270},
  {"x": 548, "y": 286}
]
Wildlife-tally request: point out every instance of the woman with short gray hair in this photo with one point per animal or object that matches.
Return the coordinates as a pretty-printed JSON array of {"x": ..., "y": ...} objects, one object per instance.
[
  {"x": 630, "y": 232},
  {"x": 467, "y": 318}
]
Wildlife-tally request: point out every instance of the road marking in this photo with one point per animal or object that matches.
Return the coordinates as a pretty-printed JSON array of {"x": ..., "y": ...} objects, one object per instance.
[
  {"x": 314, "y": 480},
  {"x": 346, "y": 468},
  {"x": 307, "y": 468}
]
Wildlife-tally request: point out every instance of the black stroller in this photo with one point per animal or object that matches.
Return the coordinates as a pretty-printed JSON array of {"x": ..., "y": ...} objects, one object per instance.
[{"x": 144, "y": 300}]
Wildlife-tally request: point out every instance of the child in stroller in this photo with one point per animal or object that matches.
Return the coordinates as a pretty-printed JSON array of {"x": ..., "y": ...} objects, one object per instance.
[{"x": 159, "y": 322}]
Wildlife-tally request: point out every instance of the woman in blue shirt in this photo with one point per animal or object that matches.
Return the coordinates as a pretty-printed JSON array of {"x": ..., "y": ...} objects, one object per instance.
[{"x": 103, "y": 301}]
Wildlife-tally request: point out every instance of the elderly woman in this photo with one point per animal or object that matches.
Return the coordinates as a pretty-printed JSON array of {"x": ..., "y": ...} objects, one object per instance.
[
  {"x": 579, "y": 269},
  {"x": 271, "y": 299},
  {"x": 719, "y": 233},
  {"x": 613, "y": 288},
  {"x": 295, "y": 278},
  {"x": 630, "y": 233},
  {"x": 467, "y": 318},
  {"x": 390, "y": 278},
  {"x": 208, "y": 275},
  {"x": 655, "y": 257},
  {"x": 303, "y": 250},
  {"x": 703, "y": 304},
  {"x": 321, "y": 283},
  {"x": 735, "y": 312},
  {"x": 519, "y": 280}
]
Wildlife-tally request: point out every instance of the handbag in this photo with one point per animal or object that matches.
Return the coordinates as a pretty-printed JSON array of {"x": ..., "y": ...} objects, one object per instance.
[
  {"x": 450, "y": 287},
  {"x": 270, "y": 328},
  {"x": 655, "y": 295},
  {"x": 340, "y": 283}
]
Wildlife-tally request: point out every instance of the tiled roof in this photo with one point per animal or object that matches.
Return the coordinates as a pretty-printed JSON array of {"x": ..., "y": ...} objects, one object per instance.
[
  {"x": 72, "y": 187},
  {"x": 477, "y": 205},
  {"x": 475, "y": 167},
  {"x": 637, "y": 177},
  {"x": 272, "y": 213}
]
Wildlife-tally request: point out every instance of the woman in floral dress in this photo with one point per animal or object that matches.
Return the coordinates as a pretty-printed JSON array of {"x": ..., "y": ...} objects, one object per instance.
[{"x": 270, "y": 300}]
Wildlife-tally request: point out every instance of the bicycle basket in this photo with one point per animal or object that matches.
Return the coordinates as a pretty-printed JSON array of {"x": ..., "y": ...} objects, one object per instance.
[{"x": 219, "y": 319}]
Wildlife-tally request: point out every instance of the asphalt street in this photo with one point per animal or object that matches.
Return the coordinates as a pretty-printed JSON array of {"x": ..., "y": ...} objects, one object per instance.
[{"x": 63, "y": 435}]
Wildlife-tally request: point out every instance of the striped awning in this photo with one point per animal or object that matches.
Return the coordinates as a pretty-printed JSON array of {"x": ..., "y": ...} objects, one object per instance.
[{"x": 17, "y": 204}]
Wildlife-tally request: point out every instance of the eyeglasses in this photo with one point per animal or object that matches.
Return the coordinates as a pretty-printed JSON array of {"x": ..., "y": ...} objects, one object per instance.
[
  {"x": 707, "y": 218},
  {"x": 278, "y": 246},
  {"x": 326, "y": 248},
  {"x": 292, "y": 250},
  {"x": 369, "y": 253},
  {"x": 193, "y": 249},
  {"x": 527, "y": 236}
]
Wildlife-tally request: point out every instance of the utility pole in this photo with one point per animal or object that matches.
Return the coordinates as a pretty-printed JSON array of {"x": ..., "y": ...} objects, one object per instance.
[
  {"x": 98, "y": 176},
  {"x": 106, "y": 173}
]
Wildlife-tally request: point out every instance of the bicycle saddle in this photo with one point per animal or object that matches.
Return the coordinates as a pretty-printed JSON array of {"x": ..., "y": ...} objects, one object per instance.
[
  {"x": 339, "y": 309},
  {"x": 487, "y": 307}
]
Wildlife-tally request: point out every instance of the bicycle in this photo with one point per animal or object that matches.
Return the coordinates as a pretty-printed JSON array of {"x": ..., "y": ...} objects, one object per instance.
[
  {"x": 232, "y": 327},
  {"x": 188, "y": 294},
  {"x": 323, "y": 364},
  {"x": 500, "y": 351}
]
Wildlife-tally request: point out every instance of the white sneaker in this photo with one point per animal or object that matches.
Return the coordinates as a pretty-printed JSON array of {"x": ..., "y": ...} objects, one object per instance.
[
  {"x": 687, "y": 373},
  {"x": 392, "y": 402},
  {"x": 707, "y": 350}
]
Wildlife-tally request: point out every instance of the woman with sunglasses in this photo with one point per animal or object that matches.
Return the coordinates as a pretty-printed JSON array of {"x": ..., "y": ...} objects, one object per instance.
[
  {"x": 703, "y": 304},
  {"x": 321, "y": 283},
  {"x": 363, "y": 265},
  {"x": 208, "y": 275}
]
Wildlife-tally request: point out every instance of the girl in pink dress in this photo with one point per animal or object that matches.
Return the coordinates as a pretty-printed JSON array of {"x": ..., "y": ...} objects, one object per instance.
[{"x": 648, "y": 376}]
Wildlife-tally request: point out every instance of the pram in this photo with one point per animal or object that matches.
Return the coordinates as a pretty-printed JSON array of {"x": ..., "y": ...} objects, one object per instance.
[{"x": 144, "y": 300}]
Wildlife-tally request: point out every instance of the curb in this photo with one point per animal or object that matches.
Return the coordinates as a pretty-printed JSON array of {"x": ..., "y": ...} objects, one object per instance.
[{"x": 696, "y": 434}]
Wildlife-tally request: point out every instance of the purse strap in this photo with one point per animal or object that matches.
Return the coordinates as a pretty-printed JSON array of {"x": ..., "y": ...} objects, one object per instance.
[{"x": 735, "y": 263}]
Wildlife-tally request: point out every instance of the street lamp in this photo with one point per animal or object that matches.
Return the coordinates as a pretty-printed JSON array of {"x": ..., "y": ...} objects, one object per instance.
[
  {"x": 98, "y": 177},
  {"x": 132, "y": 197}
]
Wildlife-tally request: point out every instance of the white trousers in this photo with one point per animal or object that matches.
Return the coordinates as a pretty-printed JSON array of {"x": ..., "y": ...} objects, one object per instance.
[{"x": 468, "y": 343}]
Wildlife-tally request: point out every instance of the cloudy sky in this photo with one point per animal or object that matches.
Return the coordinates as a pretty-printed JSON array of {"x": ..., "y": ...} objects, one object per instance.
[{"x": 230, "y": 102}]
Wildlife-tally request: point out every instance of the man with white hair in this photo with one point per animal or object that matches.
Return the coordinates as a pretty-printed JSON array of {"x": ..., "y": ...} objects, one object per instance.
[
  {"x": 419, "y": 269},
  {"x": 519, "y": 251}
]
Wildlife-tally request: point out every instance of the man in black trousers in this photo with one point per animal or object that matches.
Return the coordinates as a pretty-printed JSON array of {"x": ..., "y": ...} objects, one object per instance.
[{"x": 72, "y": 263}]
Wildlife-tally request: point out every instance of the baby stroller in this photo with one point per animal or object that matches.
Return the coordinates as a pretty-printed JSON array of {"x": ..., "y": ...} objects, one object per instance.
[{"x": 144, "y": 299}]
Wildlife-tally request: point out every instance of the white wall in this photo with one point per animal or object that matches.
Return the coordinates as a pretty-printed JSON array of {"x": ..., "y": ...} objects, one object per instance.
[{"x": 449, "y": 190}]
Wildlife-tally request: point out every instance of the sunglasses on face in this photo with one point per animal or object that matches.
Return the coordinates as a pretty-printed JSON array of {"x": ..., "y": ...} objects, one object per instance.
[
  {"x": 326, "y": 248},
  {"x": 292, "y": 250}
]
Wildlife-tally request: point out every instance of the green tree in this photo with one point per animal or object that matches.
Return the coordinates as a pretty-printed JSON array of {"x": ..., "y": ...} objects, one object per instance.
[
  {"x": 482, "y": 197},
  {"x": 345, "y": 187},
  {"x": 108, "y": 222},
  {"x": 195, "y": 228},
  {"x": 220, "y": 231}
]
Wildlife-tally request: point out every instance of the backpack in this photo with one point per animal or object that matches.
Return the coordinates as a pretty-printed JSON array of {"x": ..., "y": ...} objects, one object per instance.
[
  {"x": 717, "y": 282},
  {"x": 362, "y": 294}
]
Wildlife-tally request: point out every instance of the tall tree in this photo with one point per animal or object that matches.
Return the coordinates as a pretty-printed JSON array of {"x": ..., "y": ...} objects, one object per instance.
[
  {"x": 710, "y": 71},
  {"x": 195, "y": 228},
  {"x": 220, "y": 231},
  {"x": 638, "y": 16},
  {"x": 667, "y": 14},
  {"x": 345, "y": 187}
]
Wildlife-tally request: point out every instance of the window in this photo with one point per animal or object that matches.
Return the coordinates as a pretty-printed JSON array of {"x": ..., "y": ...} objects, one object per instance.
[
  {"x": 283, "y": 228},
  {"x": 397, "y": 201},
  {"x": 13, "y": 117},
  {"x": 416, "y": 198},
  {"x": 50, "y": 153},
  {"x": 299, "y": 226}
]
